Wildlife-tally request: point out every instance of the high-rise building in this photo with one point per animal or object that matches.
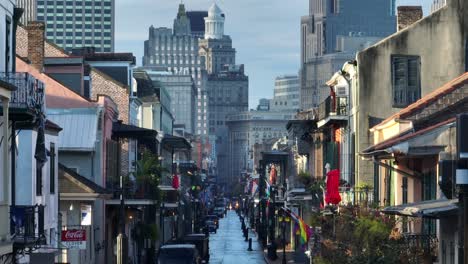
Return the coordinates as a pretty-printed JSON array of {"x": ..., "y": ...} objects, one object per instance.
[
  {"x": 29, "y": 10},
  {"x": 177, "y": 51},
  {"x": 263, "y": 104},
  {"x": 197, "y": 22},
  {"x": 338, "y": 26},
  {"x": 228, "y": 92},
  {"x": 79, "y": 23},
  {"x": 286, "y": 94},
  {"x": 227, "y": 86},
  {"x": 182, "y": 91}
]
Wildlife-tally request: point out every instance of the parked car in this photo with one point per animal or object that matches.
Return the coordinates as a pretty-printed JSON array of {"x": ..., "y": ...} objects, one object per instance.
[
  {"x": 178, "y": 254},
  {"x": 219, "y": 211},
  {"x": 213, "y": 218},
  {"x": 211, "y": 226},
  {"x": 202, "y": 244}
]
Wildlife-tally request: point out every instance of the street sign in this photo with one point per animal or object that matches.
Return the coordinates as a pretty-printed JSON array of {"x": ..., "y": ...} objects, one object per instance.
[{"x": 74, "y": 238}]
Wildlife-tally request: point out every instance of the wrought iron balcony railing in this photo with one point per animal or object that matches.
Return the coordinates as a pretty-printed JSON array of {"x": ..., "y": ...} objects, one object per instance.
[
  {"x": 330, "y": 107},
  {"x": 134, "y": 189},
  {"x": 29, "y": 93},
  {"x": 357, "y": 196},
  {"x": 27, "y": 225}
]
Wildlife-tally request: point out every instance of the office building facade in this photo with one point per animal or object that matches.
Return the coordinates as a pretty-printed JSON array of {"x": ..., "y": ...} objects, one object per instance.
[
  {"x": 74, "y": 24},
  {"x": 339, "y": 26},
  {"x": 286, "y": 94}
]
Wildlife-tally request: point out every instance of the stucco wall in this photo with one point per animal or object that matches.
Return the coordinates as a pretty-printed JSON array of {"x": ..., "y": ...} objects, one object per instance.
[{"x": 438, "y": 40}]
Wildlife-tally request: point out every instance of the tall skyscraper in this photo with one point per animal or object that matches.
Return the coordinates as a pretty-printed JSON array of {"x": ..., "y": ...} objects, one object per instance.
[
  {"x": 79, "y": 23},
  {"x": 286, "y": 93},
  {"x": 227, "y": 85},
  {"x": 334, "y": 28},
  {"x": 177, "y": 51}
]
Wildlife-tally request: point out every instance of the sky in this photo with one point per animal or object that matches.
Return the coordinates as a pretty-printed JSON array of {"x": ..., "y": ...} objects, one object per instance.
[{"x": 265, "y": 33}]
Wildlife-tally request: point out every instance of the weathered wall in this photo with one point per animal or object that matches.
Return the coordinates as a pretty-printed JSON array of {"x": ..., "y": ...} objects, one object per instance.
[{"x": 438, "y": 39}]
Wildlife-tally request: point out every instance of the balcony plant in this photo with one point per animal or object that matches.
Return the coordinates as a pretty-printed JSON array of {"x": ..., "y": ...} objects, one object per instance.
[{"x": 148, "y": 176}]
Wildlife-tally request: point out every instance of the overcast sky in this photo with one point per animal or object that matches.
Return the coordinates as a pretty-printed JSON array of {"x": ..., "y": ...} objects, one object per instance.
[{"x": 265, "y": 33}]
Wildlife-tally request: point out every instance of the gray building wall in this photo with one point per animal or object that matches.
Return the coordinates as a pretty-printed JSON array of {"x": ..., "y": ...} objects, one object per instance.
[
  {"x": 215, "y": 53},
  {"x": 374, "y": 90},
  {"x": 177, "y": 52},
  {"x": 249, "y": 128},
  {"x": 322, "y": 33},
  {"x": 78, "y": 23},
  {"x": 182, "y": 91},
  {"x": 228, "y": 94},
  {"x": 286, "y": 94}
]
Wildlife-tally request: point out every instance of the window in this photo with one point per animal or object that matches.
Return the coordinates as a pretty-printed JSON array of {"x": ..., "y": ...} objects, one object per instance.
[
  {"x": 38, "y": 179},
  {"x": 52, "y": 168},
  {"x": 405, "y": 80},
  {"x": 7, "y": 44}
]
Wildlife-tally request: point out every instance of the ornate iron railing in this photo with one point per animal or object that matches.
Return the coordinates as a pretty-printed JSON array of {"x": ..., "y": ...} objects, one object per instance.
[
  {"x": 27, "y": 225},
  {"x": 357, "y": 196},
  {"x": 30, "y": 92},
  {"x": 330, "y": 107}
]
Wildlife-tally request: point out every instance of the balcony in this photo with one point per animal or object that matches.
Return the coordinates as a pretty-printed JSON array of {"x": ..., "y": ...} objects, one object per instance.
[
  {"x": 420, "y": 248},
  {"x": 136, "y": 191},
  {"x": 333, "y": 111},
  {"x": 358, "y": 196},
  {"x": 29, "y": 97},
  {"x": 27, "y": 226}
]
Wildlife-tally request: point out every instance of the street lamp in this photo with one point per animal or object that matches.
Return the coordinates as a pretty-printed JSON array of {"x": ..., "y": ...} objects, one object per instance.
[{"x": 284, "y": 220}]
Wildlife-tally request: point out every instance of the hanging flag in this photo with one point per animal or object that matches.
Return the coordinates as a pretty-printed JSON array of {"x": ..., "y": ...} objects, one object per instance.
[
  {"x": 175, "y": 182},
  {"x": 301, "y": 229},
  {"x": 254, "y": 188},
  {"x": 273, "y": 175},
  {"x": 332, "y": 195},
  {"x": 267, "y": 191}
]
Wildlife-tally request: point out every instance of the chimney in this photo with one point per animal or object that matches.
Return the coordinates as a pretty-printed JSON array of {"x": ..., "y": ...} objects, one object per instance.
[
  {"x": 36, "y": 43},
  {"x": 407, "y": 15}
]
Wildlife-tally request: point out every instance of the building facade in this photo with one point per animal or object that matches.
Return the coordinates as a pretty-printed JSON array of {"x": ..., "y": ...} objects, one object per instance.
[
  {"x": 182, "y": 91},
  {"x": 333, "y": 25},
  {"x": 247, "y": 129},
  {"x": 228, "y": 94},
  {"x": 176, "y": 51},
  {"x": 76, "y": 23},
  {"x": 286, "y": 94}
]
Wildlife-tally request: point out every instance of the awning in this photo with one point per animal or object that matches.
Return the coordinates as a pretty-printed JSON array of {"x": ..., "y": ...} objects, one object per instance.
[
  {"x": 427, "y": 209},
  {"x": 428, "y": 141},
  {"x": 120, "y": 130},
  {"x": 175, "y": 142}
]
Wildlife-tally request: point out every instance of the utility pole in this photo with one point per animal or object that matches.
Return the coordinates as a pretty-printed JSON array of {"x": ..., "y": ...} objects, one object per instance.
[
  {"x": 122, "y": 241},
  {"x": 462, "y": 183}
]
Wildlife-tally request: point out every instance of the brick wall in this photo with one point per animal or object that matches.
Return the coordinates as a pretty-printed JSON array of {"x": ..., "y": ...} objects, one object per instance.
[
  {"x": 105, "y": 85},
  {"x": 35, "y": 46},
  {"x": 407, "y": 15},
  {"x": 50, "y": 49}
]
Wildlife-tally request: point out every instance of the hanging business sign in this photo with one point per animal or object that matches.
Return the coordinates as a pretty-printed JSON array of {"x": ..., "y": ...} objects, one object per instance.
[
  {"x": 74, "y": 238},
  {"x": 86, "y": 215}
]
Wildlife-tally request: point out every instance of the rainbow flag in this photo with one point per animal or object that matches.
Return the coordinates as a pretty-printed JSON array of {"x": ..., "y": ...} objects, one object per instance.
[{"x": 301, "y": 228}]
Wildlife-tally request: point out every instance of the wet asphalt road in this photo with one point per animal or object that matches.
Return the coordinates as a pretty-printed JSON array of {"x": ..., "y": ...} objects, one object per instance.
[{"x": 228, "y": 245}]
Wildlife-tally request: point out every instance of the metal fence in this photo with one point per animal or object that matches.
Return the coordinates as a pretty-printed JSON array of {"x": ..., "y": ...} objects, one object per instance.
[{"x": 29, "y": 93}]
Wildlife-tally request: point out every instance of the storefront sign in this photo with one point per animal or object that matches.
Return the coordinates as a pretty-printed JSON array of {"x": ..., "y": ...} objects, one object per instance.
[{"x": 74, "y": 238}]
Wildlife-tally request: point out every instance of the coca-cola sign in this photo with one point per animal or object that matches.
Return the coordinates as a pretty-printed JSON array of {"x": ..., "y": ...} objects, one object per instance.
[
  {"x": 74, "y": 235},
  {"x": 74, "y": 238}
]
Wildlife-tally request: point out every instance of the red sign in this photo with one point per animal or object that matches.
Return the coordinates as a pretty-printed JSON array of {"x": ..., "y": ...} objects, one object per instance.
[{"x": 74, "y": 235}]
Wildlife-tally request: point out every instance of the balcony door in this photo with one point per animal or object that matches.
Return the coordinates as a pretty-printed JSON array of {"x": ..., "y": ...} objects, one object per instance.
[{"x": 429, "y": 191}]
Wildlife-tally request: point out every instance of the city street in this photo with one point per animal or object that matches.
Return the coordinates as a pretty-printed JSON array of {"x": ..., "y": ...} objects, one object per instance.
[{"x": 228, "y": 244}]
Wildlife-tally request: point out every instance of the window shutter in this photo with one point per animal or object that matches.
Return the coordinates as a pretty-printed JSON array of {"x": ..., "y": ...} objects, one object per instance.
[
  {"x": 400, "y": 66},
  {"x": 413, "y": 93}
]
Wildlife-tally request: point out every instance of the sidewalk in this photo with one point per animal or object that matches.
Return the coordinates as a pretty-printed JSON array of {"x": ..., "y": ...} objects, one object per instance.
[{"x": 279, "y": 260}]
